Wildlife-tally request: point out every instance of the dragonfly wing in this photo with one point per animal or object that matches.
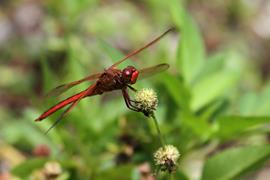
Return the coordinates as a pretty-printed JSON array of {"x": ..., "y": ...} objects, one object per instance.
[
  {"x": 142, "y": 48},
  {"x": 64, "y": 87},
  {"x": 146, "y": 72}
]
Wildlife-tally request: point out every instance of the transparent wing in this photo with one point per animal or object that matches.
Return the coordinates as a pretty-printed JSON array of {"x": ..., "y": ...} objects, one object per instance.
[
  {"x": 142, "y": 48},
  {"x": 146, "y": 72},
  {"x": 64, "y": 87}
]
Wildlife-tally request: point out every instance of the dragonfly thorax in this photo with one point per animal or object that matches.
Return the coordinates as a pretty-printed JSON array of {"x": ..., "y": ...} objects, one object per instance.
[{"x": 130, "y": 75}]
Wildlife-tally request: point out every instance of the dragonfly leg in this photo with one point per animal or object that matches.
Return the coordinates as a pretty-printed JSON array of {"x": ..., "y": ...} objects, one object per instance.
[
  {"x": 128, "y": 100},
  {"x": 133, "y": 101},
  {"x": 132, "y": 88}
]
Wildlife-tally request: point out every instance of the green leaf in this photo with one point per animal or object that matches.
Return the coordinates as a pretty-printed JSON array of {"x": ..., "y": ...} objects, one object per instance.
[
  {"x": 177, "y": 10},
  {"x": 199, "y": 126},
  {"x": 214, "y": 109},
  {"x": 232, "y": 162},
  {"x": 180, "y": 175},
  {"x": 247, "y": 103},
  {"x": 105, "y": 115},
  {"x": 213, "y": 64},
  {"x": 191, "y": 52},
  {"x": 76, "y": 51},
  {"x": 177, "y": 90},
  {"x": 38, "y": 131},
  {"x": 263, "y": 104},
  {"x": 48, "y": 77},
  {"x": 232, "y": 125},
  {"x": 27, "y": 167},
  {"x": 175, "y": 175},
  {"x": 69, "y": 9},
  {"x": 218, "y": 77},
  {"x": 212, "y": 87},
  {"x": 15, "y": 131},
  {"x": 122, "y": 172}
]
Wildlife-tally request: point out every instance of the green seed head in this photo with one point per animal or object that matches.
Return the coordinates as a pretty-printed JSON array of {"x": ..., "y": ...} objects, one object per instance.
[{"x": 146, "y": 101}]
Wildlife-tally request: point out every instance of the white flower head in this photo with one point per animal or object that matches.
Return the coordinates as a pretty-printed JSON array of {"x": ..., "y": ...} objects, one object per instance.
[
  {"x": 146, "y": 101},
  {"x": 52, "y": 169},
  {"x": 166, "y": 157}
]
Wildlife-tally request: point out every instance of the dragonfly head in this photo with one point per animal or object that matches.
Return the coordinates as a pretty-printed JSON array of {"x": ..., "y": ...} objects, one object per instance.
[{"x": 130, "y": 75}]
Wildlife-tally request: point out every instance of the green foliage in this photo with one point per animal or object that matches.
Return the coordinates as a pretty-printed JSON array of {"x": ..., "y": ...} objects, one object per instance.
[
  {"x": 231, "y": 126},
  {"x": 230, "y": 163},
  {"x": 202, "y": 104},
  {"x": 23, "y": 169},
  {"x": 191, "y": 53}
]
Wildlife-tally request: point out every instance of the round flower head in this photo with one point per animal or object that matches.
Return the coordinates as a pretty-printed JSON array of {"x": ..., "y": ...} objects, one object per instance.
[
  {"x": 52, "y": 169},
  {"x": 146, "y": 101},
  {"x": 166, "y": 157}
]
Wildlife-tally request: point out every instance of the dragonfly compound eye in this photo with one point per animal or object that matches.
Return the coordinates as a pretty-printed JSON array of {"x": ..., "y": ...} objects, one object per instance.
[
  {"x": 134, "y": 77},
  {"x": 130, "y": 74}
]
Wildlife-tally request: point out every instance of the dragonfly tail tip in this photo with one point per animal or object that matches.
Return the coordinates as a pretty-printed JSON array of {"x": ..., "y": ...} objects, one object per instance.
[{"x": 38, "y": 119}]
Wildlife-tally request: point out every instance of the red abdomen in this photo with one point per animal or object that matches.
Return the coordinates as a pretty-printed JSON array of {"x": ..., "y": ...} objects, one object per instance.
[{"x": 61, "y": 105}]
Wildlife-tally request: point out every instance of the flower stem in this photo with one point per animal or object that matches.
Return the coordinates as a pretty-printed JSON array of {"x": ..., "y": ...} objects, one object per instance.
[
  {"x": 157, "y": 172},
  {"x": 158, "y": 130}
]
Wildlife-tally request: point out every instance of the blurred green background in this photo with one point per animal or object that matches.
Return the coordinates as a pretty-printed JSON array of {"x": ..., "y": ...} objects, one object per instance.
[{"x": 213, "y": 101}]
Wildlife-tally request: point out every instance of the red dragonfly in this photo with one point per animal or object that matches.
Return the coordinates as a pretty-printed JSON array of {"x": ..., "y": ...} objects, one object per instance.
[{"x": 109, "y": 80}]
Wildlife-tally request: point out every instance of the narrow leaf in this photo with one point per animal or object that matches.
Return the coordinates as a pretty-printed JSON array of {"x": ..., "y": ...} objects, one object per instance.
[
  {"x": 191, "y": 52},
  {"x": 212, "y": 87},
  {"x": 232, "y": 162},
  {"x": 232, "y": 125}
]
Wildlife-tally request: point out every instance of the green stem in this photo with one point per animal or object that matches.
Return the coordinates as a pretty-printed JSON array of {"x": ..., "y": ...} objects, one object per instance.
[
  {"x": 158, "y": 130},
  {"x": 171, "y": 176},
  {"x": 157, "y": 172}
]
